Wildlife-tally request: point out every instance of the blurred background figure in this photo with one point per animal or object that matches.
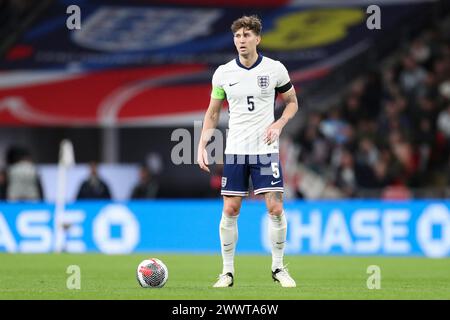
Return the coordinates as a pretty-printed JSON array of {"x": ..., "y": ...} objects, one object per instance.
[
  {"x": 3, "y": 185},
  {"x": 23, "y": 183},
  {"x": 93, "y": 187},
  {"x": 147, "y": 187}
]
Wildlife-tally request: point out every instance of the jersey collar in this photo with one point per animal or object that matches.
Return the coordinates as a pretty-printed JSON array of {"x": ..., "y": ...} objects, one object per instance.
[{"x": 258, "y": 61}]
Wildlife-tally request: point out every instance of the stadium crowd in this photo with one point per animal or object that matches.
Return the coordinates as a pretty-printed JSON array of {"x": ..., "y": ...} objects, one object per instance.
[{"x": 392, "y": 127}]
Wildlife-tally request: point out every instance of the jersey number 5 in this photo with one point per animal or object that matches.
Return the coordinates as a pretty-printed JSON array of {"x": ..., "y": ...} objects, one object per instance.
[{"x": 251, "y": 103}]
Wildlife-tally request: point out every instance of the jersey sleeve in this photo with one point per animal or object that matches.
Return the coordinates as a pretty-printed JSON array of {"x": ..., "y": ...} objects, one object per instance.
[
  {"x": 217, "y": 91},
  {"x": 283, "y": 80}
]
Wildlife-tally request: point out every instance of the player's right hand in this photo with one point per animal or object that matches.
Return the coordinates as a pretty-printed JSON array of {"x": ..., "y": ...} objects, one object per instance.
[{"x": 202, "y": 159}]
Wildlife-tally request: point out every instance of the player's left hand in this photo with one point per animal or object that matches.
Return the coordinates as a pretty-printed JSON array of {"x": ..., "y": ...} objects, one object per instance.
[{"x": 273, "y": 132}]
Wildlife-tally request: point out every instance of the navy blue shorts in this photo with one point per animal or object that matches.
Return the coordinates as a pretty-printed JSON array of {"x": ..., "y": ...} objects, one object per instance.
[{"x": 264, "y": 170}]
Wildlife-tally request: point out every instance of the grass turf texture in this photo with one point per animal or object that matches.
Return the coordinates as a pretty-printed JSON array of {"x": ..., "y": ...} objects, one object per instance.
[{"x": 191, "y": 277}]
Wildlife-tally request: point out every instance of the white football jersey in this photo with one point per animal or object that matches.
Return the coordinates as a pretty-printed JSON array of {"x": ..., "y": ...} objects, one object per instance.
[{"x": 251, "y": 98}]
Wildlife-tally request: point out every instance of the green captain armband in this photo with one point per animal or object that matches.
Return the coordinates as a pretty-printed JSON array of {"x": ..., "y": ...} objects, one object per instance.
[{"x": 218, "y": 93}]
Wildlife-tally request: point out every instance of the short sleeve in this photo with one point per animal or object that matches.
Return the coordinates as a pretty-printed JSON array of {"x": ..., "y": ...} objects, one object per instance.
[
  {"x": 283, "y": 80},
  {"x": 217, "y": 85}
]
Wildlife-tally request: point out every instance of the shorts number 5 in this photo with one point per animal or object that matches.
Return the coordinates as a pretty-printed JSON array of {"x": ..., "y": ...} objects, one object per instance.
[{"x": 275, "y": 170}]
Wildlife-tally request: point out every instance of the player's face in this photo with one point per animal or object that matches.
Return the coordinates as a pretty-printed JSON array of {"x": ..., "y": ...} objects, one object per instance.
[{"x": 246, "y": 41}]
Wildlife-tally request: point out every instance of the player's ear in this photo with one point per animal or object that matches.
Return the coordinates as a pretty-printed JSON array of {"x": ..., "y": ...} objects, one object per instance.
[{"x": 258, "y": 39}]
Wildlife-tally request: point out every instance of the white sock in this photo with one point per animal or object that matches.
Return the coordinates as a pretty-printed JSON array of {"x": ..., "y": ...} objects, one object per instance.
[
  {"x": 228, "y": 231},
  {"x": 277, "y": 233}
]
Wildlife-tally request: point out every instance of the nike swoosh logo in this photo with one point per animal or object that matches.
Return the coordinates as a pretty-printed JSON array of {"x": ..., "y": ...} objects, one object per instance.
[
  {"x": 232, "y": 84},
  {"x": 273, "y": 182},
  {"x": 227, "y": 244}
]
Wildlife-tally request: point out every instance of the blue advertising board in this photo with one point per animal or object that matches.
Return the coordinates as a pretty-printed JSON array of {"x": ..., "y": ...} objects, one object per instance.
[{"x": 412, "y": 228}]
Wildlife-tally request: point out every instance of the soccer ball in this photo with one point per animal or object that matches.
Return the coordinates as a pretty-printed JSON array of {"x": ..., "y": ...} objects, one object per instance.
[{"x": 152, "y": 273}]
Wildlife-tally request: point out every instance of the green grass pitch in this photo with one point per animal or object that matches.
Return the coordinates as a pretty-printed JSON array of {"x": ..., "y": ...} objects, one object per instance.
[{"x": 43, "y": 276}]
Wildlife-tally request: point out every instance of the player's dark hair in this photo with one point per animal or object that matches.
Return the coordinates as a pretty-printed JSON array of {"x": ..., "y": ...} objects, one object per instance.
[{"x": 252, "y": 23}]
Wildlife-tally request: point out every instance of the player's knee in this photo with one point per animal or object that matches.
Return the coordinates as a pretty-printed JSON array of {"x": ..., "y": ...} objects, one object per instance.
[
  {"x": 231, "y": 206},
  {"x": 231, "y": 210},
  {"x": 275, "y": 209}
]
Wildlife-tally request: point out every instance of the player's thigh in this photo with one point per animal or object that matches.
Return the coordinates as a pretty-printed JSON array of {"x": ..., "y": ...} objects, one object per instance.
[{"x": 232, "y": 205}]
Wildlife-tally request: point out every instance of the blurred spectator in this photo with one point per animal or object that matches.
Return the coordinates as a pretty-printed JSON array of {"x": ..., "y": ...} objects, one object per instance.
[
  {"x": 23, "y": 179},
  {"x": 351, "y": 175},
  {"x": 403, "y": 153},
  {"x": 352, "y": 110},
  {"x": 335, "y": 128},
  {"x": 372, "y": 95},
  {"x": 411, "y": 77},
  {"x": 443, "y": 122},
  {"x": 441, "y": 69},
  {"x": 315, "y": 148},
  {"x": 367, "y": 128},
  {"x": 381, "y": 173},
  {"x": 93, "y": 187},
  {"x": 425, "y": 142},
  {"x": 420, "y": 51},
  {"x": 392, "y": 119},
  {"x": 427, "y": 109},
  {"x": 147, "y": 187},
  {"x": 429, "y": 87},
  {"x": 367, "y": 153},
  {"x": 3, "y": 185},
  {"x": 444, "y": 89},
  {"x": 345, "y": 175}
]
